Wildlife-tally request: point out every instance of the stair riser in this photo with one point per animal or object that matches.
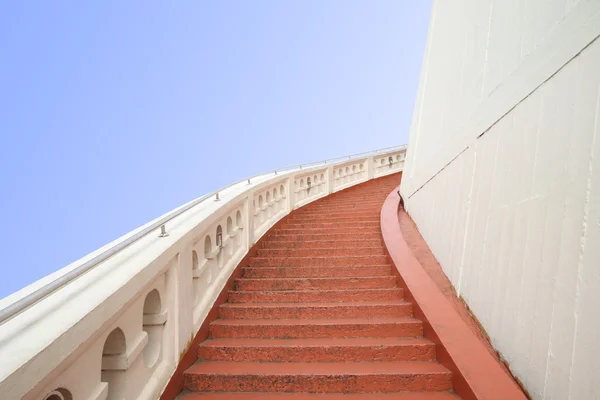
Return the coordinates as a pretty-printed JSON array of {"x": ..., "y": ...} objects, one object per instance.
[
  {"x": 341, "y": 206},
  {"x": 354, "y": 214},
  {"x": 300, "y": 237},
  {"x": 312, "y": 284},
  {"x": 404, "y": 329},
  {"x": 315, "y": 272},
  {"x": 331, "y": 218},
  {"x": 420, "y": 352},
  {"x": 331, "y": 225},
  {"x": 323, "y": 396},
  {"x": 318, "y": 261},
  {"x": 324, "y": 244},
  {"x": 359, "y": 251},
  {"x": 316, "y": 312},
  {"x": 352, "y": 200},
  {"x": 329, "y": 231},
  {"x": 320, "y": 383},
  {"x": 313, "y": 296}
]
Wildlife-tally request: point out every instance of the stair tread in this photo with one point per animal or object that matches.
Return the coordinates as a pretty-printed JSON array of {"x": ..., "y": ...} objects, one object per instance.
[
  {"x": 312, "y": 342},
  {"x": 325, "y": 396},
  {"x": 327, "y": 321},
  {"x": 337, "y": 257},
  {"x": 340, "y": 291},
  {"x": 349, "y": 247},
  {"x": 373, "y": 303},
  {"x": 319, "y": 266},
  {"x": 315, "y": 277},
  {"x": 325, "y": 368}
]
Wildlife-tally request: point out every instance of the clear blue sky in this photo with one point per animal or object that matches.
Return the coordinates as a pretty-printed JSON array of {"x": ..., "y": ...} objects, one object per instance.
[{"x": 114, "y": 112}]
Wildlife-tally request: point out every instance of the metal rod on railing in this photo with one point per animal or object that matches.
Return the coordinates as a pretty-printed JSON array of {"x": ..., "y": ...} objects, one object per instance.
[{"x": 37, "y": 295}]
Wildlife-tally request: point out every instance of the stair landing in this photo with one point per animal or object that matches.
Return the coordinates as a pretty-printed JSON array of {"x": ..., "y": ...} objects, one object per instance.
[{"x": 319, "y": 313}]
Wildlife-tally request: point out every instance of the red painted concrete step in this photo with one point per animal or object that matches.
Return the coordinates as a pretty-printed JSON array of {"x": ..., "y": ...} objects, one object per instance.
[
  {"x": 301, "y": 237},
  {"x": 317, "y": 328},
  {"x": 322, "y": 244},
  {"x": 312, "y": 296},
  {"x": 336, "y": 251},
  {"x": 317, "y": 231},
  {"x": 345, "y": 206},
  {"x": 361, "y": 282},
  {"x": 318, "y": 377},
  {"x": 389, "y": 308},
  {"x": 339, "y": 217},
  {"x": 333, "y": 261},
  {"x": 331, "y": 225},
  {"x": 316, "y": 272},
  {"x": 320, "y": 396},
  {"x": 318, "y": 350}
]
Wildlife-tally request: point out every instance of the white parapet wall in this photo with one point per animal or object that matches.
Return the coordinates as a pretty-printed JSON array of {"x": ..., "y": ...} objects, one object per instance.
[
  {"x": 117, "y": 331},
  {"x": 502, "y": 179}
]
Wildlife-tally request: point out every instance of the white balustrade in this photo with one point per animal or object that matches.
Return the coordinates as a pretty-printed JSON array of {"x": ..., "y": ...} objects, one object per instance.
[
  {"x": 270, "y": 206},
  {"x": 388, "y": 163},
  {"x": 350, "y": 173},
  {"x": 310, "y": 186},
  {"x": 118, "y": 331}
]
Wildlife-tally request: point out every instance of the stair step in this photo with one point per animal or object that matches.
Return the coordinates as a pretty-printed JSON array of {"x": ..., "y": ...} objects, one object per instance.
[
  {"x": 299, "y": 296},
  {"x": 371, "y": 214},
  {"x": 317, "y": 231},
  {"x": 351, "y": 200},
  {"x": 318, "y": 377},
  {"x": 336, "y": 251},
  {"x": 342, "y": 206},
  {"x": 331, "y": 225},
  {"x": 318, "y": 350},
  {"x": 372, "y": 217},
  {"x": 316, "y": 328},
  {"x": 363, "y": 282},
  {"x": 325, "y": 261},
  {"x": 322, "y": 244},
  {"x": 320, "y": 396},
  {"x": 307, "y": 236},
  {"x": 390, "y": 308},
  {"x": 316, "y": 272}
]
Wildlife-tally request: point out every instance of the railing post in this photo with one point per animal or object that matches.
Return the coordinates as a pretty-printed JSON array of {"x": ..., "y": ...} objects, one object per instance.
[
  {"x": 249, "y": 220},
  {"x": 330, "y": 179},
  {"x": 370, "y": 168},
  {"x": 290, "y": 194}
]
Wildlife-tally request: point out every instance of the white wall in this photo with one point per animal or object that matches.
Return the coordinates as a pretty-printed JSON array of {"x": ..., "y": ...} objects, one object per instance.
[{"x": 502, "y": 178}]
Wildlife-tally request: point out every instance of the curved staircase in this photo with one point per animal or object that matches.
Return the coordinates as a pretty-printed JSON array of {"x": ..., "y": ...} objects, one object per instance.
[{"x": 319, "y": 313}]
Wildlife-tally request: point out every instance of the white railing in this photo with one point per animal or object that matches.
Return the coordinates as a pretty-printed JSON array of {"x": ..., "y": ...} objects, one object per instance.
[{"x": 114, "y": 324}]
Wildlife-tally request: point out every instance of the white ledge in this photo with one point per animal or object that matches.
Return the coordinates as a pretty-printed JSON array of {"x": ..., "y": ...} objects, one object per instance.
[
  {"x": 121, "y": 362},
  {"x": 156, "y": 319}
]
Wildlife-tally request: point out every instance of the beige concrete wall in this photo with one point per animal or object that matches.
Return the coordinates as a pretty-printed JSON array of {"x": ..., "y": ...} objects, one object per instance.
[{"x": 502, "y": 178}]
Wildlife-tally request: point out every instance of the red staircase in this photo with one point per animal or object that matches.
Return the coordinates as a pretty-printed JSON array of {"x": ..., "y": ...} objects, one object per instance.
[{"x": 319, "y": 313}]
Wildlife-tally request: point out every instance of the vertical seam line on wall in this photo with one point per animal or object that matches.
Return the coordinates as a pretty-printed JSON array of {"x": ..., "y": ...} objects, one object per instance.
[
  {"x": 468, "y": 219},
  {"x": 424, "y": 82},
  {"x": 537, "y": 143},
  {"x": 582, "y": 240},
  {"x": 490, "y": 211},
  {"x": 487, "y": 47},
  {"x": 554, "y": 286}
]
